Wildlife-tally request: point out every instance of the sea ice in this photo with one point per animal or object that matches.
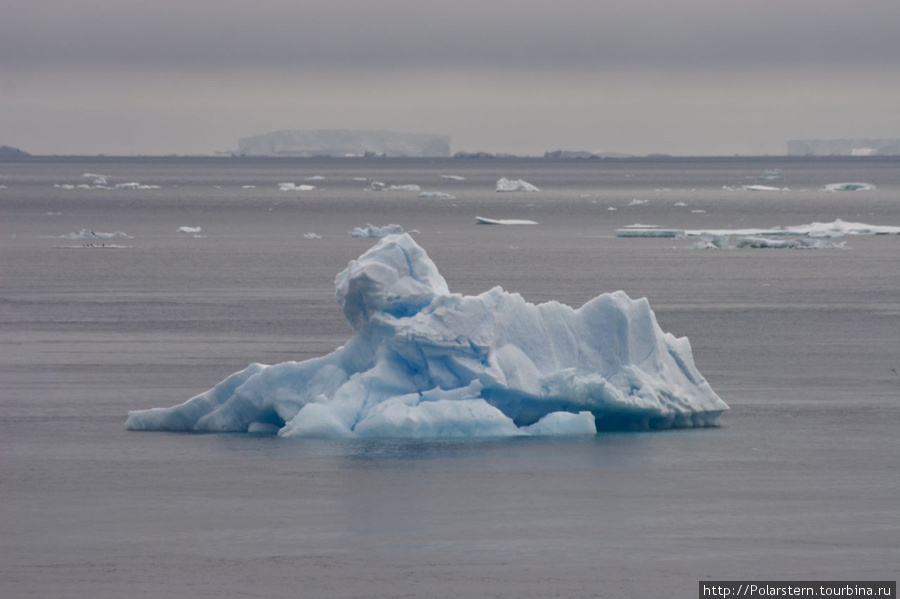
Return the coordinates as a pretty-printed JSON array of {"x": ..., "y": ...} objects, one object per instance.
[
  {"x": 637, "y": 202},
  {"x": 88, "y": 234},
  {"x": 295, "y": 187},
  {"x": 437, "y": 194},
  {"x": 849, "y": 187},
  {"x": 453, "y": 177},
  {"x": 376, "y": 232},
  {"x": 504, "y": 184},
  {"x": 135, "y": 185},
  {"x": 189, "y": 229},
  {"x": 410, "y": 187},
  {"x": 788, "y": 244},
  {"x": 311, "y": 235},
  {"x": 480, "y": 220},
  {"x": 639, "y": 230},
  {"x": 837, "y": 228},
  {"x": 423, "y": 362}
]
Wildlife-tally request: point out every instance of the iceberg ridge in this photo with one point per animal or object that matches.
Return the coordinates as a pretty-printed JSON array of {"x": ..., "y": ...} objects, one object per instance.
[{"x": 427, "y": 363}]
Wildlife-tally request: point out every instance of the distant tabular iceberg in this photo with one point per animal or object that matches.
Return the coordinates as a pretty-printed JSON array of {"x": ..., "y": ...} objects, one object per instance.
[
  {"x": 844, "y": 147},
  {"x": 345, "y": 142},
  {"x": 427, "y": 363}
]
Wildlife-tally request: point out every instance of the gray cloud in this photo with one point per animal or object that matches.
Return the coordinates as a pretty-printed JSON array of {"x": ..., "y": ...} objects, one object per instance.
[{"x": 397, "y": 34}]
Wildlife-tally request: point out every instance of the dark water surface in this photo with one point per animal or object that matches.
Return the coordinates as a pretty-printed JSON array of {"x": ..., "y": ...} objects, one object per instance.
[{"x": 801, "y": 482}]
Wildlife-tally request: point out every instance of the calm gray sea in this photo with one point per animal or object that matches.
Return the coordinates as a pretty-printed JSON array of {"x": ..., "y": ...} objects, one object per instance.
[{"x": 801, "y": 482}]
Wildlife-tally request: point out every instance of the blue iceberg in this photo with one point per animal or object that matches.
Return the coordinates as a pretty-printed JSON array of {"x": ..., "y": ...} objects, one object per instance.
[{"x": 424, "y": 362}]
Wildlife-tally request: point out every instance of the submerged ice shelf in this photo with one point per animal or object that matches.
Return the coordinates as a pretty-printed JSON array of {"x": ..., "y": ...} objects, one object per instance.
[{"x": 424, "y": 362}]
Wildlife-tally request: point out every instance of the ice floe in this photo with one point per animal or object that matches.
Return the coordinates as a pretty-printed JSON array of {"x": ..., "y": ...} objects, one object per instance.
[
  {"x": 440, "y": 195},
  {"x": 836, "y": 228},
  {"x": 189, "y": 229},
  {"x": 754, "y": 188},
  {"x": 89, "y": 234},
  {"x": 408, "y": 187},
  {"x": 802, "y": 243},
  {"x": 423, "y": 362},
  {"x": 295, "y": 187},
  {"x": 311, "y": 235},
  {"x": 502, "y": 221},
  {"x": 637, "y": 202},
  {"x": 376, "y": 232},
  {"x": 453, "y": 177},
  {"x": 849, "y": 187},
  {"x": 504, "y": 184}
]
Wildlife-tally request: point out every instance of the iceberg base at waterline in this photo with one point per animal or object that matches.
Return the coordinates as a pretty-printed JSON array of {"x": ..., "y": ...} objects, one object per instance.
[{"x": 424, "y": 362}]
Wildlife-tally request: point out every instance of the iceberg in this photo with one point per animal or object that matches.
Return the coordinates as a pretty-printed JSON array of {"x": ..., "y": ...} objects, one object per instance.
[
  {"x": 849, "y": 187},
  {"x": 838, "y": 228},
  {"x": 504, "y": 184},
  {"x": 424, "y": 362},
  {"x": 406, "y": 187},
  {"x": 376, "y": 232},
  {"x": 189, "y": 229},
  {"x": 89, "y": 234},
  {"x": 788, "y": 244}
]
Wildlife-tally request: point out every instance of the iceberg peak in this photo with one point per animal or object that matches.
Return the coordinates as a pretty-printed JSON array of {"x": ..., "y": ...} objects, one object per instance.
[{"x": 427, "y": 363}]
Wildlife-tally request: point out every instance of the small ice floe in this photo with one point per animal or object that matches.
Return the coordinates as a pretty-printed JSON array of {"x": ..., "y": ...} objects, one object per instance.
[
  {"x": 376, "y": 232},
  {"x": 410, "y": 187},
  {"x": 710, "y": 242},
  {"x": 480, "y": 220},
  {"x": 453, "y": 177},
  {"x": 314, "y": 178},
  {"x": 849, "y": 187},
  {"x": 364, "y": 179},
  {"x": 134, "y": 185},
  {"x": 639, "y": 230},
  {"x": 63, "y": 186},
  {"x": 92, "y": 246},
  {"x": 754, "y": 188},
  {"x": 637, "y": 202},
  {"x": 295, "y": 187},
  {"x": 311, "y": 236},
  {"x": 504, "y": 184},
  {"x": 189, "y": 229},
  {"x": 248, "y": 186},
  {"x": 770, "y": 175},
  {"x": 97, "y": 180},
  {"x": 89, "y": 234},
  {"x": 440, "y": 195},
  {"x": 789, "y": 244},
  {"x": 698, "y": 211},
  {"x": 612, "y": 208},
  {"x": 378, "y": 186}
]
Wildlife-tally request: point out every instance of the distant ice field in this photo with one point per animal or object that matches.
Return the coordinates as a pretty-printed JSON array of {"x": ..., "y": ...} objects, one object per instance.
[{"x": 798, "y": 483}]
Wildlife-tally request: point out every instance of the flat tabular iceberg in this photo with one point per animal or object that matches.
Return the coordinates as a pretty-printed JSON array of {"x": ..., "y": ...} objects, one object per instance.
[{"x": 427, "y": 363}]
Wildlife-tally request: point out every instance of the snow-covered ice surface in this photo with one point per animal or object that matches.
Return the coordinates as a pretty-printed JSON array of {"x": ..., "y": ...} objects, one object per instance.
[
  {"x": 480, "y": 220},
  {"x": 427, "y": 363},
  {"x": 504, "y": 184},
  {"x": 376, "y": 232}
]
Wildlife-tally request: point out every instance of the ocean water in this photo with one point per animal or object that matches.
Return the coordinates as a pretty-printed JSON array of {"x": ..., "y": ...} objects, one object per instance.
[{"x": 801, "y": 481}]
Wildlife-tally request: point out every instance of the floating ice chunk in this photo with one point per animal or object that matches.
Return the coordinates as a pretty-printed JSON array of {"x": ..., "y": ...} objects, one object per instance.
[
  {"x": 311, "y": 236},
  {"x": 376, "y": 232},
  {"x": 754, "y": 188},
  {"x": 295, "y": 187},
  {"x": 453, "y": 177},
  {"x": 680, "y": 204},
  {"x": 437, "y": 194},
  {"x": 411, "y": 187},
  {"x": 88, "y": 234},
  {"x": 480, "y": 220},
  {"x": 63, "y": 186},
  {"x": 849, "y": 187},
  {"x": 504, "y": 184},
  {"x": 314, "y": 178},
  {"x": 648, "y": 231},
  {"x": 378, "y": 186},
  {"x": 698, "y": 211},
  {"x": 637, "y": 202},
  {"x": 97, "y": 179},
  {"x": 710, "y": 242},
  {"x": 790, "y": 244},
  {"x": 189, "y": 229},
  {"x": 427, "y": 363},
  {"x": 248, "y": 186},
  {"x": 837, "y": 228},
  {"x": 612, "y": 208},
  {"x": 135, "y": 185},
  {"x": 770, "y": 175}
]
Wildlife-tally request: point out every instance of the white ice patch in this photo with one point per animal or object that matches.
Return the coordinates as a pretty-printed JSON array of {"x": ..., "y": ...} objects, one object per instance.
[
  {"x": 89, "y": 234},
  {"x": 440, "y": 195},
  {"x": 409, "y": 187},
  {"x": 755, "y": 188},
  {"x": 427, "y": 363},
  {"x": 295, "y": 187},
  {"x": 637, "y": 202},
  {"x": 802, "y": 243},
  {"x": 832, "y": 229},
  {"x": 504, "y": 184},
  {"x": 311, "y": 235},
  {"x": 480, "y": 220},
  {"x": 189, "y": 229},
  {"x": 376, "y": 232},
  {"x": 135, "y": 186},
  {"x": 453, "y": 177}
]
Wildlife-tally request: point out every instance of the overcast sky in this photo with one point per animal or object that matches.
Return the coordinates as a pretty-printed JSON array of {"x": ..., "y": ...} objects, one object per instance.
[{"x": 700, "y": 77}]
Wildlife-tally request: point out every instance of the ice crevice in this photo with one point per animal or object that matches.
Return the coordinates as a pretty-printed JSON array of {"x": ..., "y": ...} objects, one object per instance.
[{"x": 425, "y": 362}]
